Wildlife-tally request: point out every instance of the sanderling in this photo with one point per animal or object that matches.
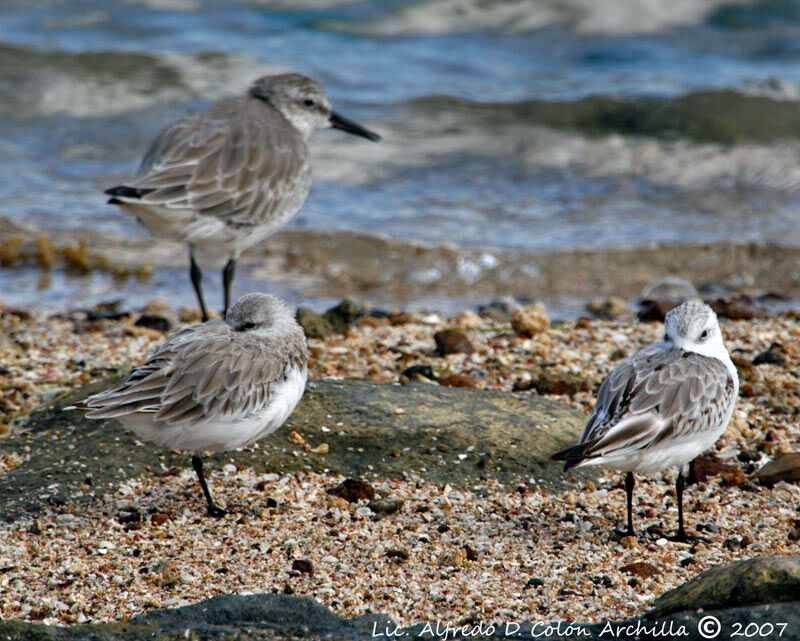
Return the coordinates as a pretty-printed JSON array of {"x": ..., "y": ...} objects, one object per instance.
[
  {"x": 233, "y": 174},
  {"x": 218, "y": 385},
  {"x": 663, "y": 405}
]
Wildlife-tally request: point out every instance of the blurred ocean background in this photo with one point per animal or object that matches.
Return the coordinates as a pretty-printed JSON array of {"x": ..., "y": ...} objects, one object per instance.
[{"x": 512, "y": 129}]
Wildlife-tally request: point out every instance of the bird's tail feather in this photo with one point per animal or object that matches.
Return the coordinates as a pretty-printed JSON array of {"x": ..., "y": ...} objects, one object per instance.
[
  {"x": 573, "y": 455},
  {"x": 123, "y": 191}
]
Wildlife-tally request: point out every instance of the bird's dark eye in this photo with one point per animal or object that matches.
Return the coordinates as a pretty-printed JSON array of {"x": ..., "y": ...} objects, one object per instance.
[
  {"x": 704, "y": 334},
  {"x": 245, "y": 326},
  {"x": 308, "y": 102}
]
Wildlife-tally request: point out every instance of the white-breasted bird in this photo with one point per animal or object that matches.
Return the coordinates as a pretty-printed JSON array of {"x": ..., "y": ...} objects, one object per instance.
[
  {"x": 662, "y": 406},
  {"x": 218, "y": 385},
  {"x": 233, "y": 174}
]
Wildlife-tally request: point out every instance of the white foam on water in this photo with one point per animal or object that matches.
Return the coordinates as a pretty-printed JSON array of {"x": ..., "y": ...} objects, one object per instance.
[{"x": 607, "y": 17}]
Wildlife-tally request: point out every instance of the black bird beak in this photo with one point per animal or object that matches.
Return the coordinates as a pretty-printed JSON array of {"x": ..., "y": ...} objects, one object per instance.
[{"x": 340, "y": 122}]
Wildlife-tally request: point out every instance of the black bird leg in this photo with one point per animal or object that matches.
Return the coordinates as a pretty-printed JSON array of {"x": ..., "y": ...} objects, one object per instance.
[
  {"x": 629, "y": 483},
  {"x": 679, "y": 487},
  {"x": 227, "y": 279},
  {"x": 680, "y": 536},
  {"x": 197, "y": 279},
  {"x": 213, "y": 509}
]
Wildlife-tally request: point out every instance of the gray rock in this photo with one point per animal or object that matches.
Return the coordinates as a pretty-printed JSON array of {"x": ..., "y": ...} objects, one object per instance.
[
  {"x": 240, "y": 617},
  {"x": 314, "y": 325},
  {"x": 763, "y": 579},
  {"x": 455, "y": 435},
  {"x": 342, "y": 316},
  {"x": 266, "y": 617},
  {"x": 784, "y": 467}
]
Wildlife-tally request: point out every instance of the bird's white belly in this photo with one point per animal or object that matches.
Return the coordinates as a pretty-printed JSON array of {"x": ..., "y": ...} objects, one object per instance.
[
  {"x": 226, "y": 432},
  {"x": 665, "y": 455}
]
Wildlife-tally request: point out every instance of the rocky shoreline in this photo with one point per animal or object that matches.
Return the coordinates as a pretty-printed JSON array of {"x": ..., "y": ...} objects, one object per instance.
[
  {"x": 322, "y": 267},
  {"x": 448, "y": 421}
]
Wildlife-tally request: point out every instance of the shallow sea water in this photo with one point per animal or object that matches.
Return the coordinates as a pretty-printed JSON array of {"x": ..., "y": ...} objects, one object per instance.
[{"x": 513, "y": 126}]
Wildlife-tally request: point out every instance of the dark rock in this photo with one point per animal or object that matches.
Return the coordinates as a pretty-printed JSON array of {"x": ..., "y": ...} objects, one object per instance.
[
  {"x": 497, "y": 310},
  {"x": 655, "y": 311},
  {"x": 304, "y": 566},
  {"x": 748, "y": 456},
  {"x": 425, "y": 371},
  {"x": 385, "y": 506},
  {"x": 130, "y": 516},
  {"x": 109, "y": 310},
  {"x": 472, "y": 555},
  {"x": 400, "y": 555},
  {"x": 268, "y": 617},
  {"x": 342, "y": 316},
  {"x": 773, "y": 297},
  {"x": 452, "y": 341},
  {"x": 706, "y": 466},
  {"x": 535, "y": 582},
  {"x": 314, "y": 325},
  {"x": 784, "y": 467},
  {"x": 159, "y": 518},
  {"x": 764, "y": 579},
  {"x": 458, "y": 380},
  {"x": 547, "y": 383},
  {"x": 771, "y": 357},
  {"x": 153, "y": 322},
  {"x": 353, "y": 490},
  {"x": 741, "y": 307},
  {"x": 641, "y": 569}
]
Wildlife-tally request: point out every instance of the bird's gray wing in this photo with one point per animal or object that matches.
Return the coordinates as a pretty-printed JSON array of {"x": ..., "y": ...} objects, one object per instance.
[
  {"x": 205, "y": 370},
  {"x": 228, "y": 162},
  {"x": 658, "y": 393}
]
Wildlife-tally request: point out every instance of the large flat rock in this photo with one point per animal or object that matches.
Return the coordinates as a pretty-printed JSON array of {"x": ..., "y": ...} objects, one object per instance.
[
  {"x": 264, "y": 617},
  {"x": 455, "y": 435},
  {"x": 762, "y": 579}
]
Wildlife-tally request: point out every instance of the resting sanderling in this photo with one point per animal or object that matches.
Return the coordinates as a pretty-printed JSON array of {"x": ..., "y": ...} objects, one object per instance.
[
  {"x": 663, "y": 405},
  {"x": 218, "y": 385},
  {"x": 233, "y": 174}
]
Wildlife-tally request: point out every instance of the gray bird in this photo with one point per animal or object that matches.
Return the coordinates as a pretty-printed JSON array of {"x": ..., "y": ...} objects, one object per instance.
[
  {"x": 663, "y": 405},
  {"x": 217, "y": 386},
  {"x": 233, "y": 174}
]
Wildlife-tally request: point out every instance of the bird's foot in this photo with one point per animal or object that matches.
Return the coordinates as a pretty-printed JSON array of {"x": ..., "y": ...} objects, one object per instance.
[
  {"x": 619, "y": 533},
  {"x": 216, "y": 511}
]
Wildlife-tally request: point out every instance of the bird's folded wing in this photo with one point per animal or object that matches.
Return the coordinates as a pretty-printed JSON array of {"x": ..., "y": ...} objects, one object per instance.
[
  {"x": 657, "y": 394},
  {"x": 232, "y": 167},
  {"x": 194, "y": 376}
]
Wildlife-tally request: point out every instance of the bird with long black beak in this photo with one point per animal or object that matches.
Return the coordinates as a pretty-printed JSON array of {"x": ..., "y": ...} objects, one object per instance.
[{"x": 233, "y": 174}]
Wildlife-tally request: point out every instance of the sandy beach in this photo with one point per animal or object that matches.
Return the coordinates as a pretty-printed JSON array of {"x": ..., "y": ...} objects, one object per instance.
[{"x": 481, "y": 550}]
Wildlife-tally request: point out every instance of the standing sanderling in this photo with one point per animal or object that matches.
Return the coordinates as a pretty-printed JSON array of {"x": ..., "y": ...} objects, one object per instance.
[
  {"x": 663, "y": 405},
  {"x": 233, "y": 174},
  {"x": 218, "y": 385}
]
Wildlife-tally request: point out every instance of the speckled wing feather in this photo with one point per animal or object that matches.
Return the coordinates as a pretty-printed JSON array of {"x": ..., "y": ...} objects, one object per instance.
[
  {"x": 657, "y": 393},
  {"x": 205, "y": 370},
  {"x": 230, "y": 162}
]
